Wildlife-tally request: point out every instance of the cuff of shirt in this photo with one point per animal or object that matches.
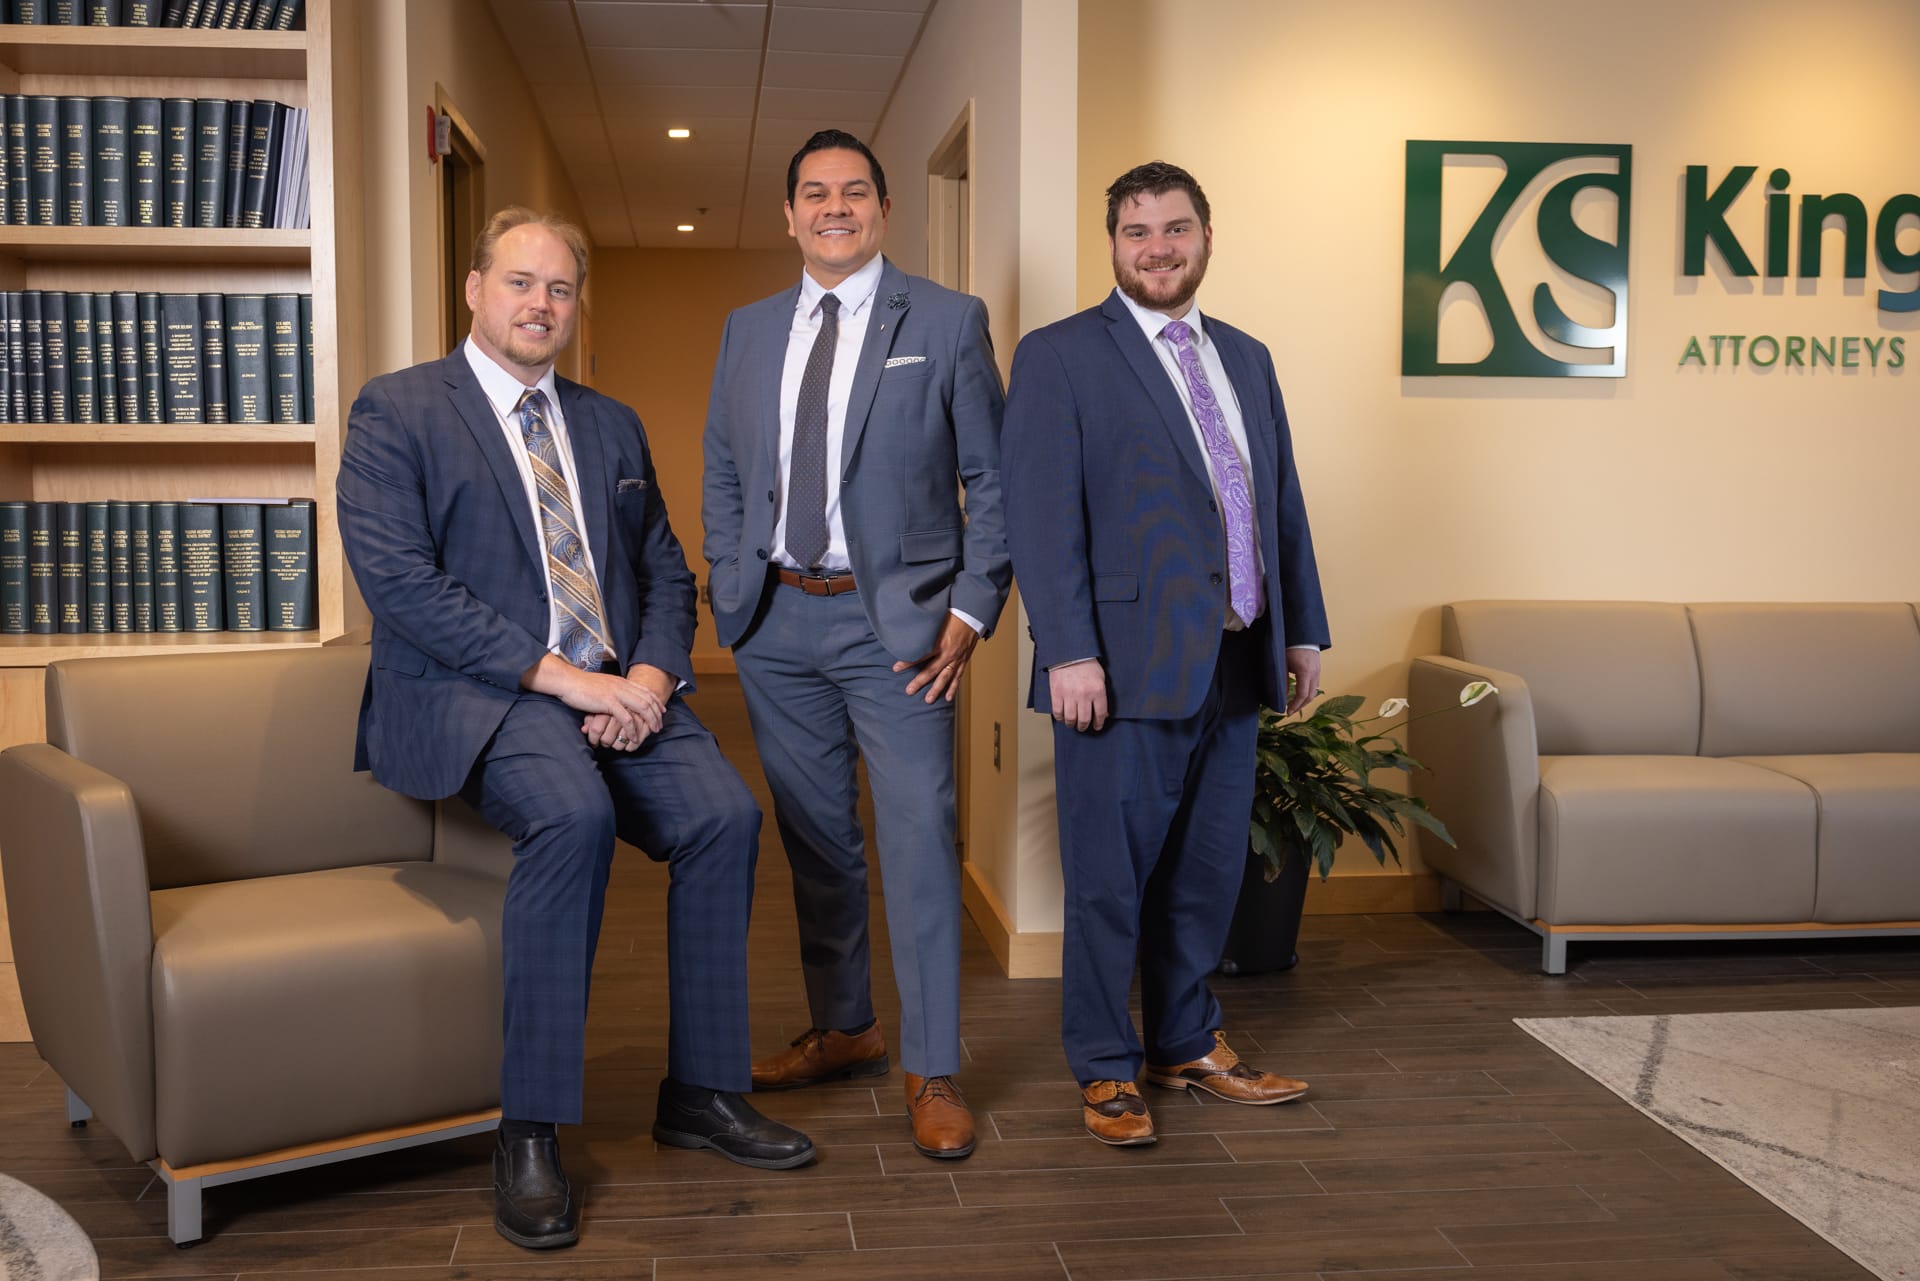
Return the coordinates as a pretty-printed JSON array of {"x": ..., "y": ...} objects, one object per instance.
[{"x": 979, "y": 628}]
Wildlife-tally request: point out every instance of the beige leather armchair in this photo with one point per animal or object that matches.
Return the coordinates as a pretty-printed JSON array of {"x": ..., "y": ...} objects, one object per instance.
[{"x": 243, "y": 956}]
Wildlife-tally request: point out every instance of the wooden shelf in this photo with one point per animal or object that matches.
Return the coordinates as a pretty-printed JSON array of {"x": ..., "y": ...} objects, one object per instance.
[
  {"x": 38, "y": 651},
  {"x": 156, "y": 433},
  {"x": 153, "y": 51},
  {"x": 157, "y": 244}
]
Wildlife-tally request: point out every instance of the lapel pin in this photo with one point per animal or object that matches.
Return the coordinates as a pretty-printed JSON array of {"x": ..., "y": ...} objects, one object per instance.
[{"x": 897, "y": 301}]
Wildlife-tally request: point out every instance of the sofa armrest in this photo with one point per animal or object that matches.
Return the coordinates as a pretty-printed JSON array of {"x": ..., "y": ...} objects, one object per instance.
[
  {"x": 462, "y": 839},
  {"x": 76, "y": 881},
  {"x": 1481, "y": 777}
]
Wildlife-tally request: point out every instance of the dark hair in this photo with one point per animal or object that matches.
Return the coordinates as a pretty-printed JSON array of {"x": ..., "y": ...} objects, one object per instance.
[
  {"x": 1155, "y": 178},
  {"x": 520, "y": 216},
  {"x": 834, "y": 140}
]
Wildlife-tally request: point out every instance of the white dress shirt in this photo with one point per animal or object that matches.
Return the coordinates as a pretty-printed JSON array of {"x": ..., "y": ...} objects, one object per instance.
[{"x": 503, "y": 392}]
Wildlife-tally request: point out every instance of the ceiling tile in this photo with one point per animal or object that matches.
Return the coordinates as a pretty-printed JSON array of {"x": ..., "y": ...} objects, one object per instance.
[
  {"x": 806, "y": 29},
  {"x": 667, "y": 157},
  {"x": 828, "y": 106},
  {"x": 538, "y": 21},
  {"x": 676, "y": 66},
  {"x": 664, "y": 103},
  {"x": 831, "y": 71},
  {"x": 708, "y": 132},
  {"x": 568, "y": 98},
  {"x": 896, "y": 6},
  {"x": 609, "y": 231},
  {"x": 672, "y": 26}
]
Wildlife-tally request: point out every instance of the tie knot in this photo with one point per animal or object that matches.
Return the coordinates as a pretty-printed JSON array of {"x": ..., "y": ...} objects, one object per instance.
[
  {"x": 1178, "y": 332},
  {"x": 533, "y": 402},
  {"x": 830, "y": 304}
]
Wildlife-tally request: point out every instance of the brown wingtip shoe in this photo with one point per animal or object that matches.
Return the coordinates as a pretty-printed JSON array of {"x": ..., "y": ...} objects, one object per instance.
[
  {"x": 942, "y": 1121},
  {"x": 817, "y": 1055},
  {"x": 1222, "y": 1073},
  {"x": 1116, "y": 1114}
]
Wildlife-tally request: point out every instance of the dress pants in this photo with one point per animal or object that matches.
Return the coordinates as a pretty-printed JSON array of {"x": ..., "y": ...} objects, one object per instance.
[
  {"x": 1153, "y": 844},
  {"x": 563, "y": 802},
  {"x": 818, "y": 684}
]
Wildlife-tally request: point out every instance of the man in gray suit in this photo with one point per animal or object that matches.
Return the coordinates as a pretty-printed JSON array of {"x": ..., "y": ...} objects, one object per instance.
[{"x": 853, "y": 585}]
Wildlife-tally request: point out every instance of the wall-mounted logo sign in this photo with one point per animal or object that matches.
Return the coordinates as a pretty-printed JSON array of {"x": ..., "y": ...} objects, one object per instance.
[{"x": 1547, "y": 193}]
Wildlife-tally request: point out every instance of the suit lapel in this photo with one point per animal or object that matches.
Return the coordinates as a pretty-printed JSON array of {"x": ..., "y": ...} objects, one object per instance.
[
  {"x": 1125, "y": 331},
  {"x": 463, "y": 389},
  {"x": 766, "y": 357},
  {"x": 883, "y": 326},
  {"x": 590, "y": 472},
  {"x": 1262, "y": 448}
]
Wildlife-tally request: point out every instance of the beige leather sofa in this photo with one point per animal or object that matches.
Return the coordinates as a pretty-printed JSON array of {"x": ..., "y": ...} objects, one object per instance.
[
  {"x": 1656, "y": 770},
  {"x": 240, "y": 954}
]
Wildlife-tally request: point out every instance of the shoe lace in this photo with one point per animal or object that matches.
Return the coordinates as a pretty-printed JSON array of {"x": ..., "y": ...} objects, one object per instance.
[
  {"x": 811, "y": 1037},
  {"x": 939, "y": 1087}
]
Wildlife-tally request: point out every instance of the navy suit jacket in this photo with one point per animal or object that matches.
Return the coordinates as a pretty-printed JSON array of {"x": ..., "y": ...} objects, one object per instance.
[
  {"x": 1111, "y": 517},
  {"x": 441, "y": 539}
]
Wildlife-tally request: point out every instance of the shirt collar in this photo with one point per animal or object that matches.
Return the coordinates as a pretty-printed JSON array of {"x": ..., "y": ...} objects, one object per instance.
[
  {"x": 1152, "y": 322},
  {"x": 502, "y": 389},
  {"x": 854, "y": 293}
]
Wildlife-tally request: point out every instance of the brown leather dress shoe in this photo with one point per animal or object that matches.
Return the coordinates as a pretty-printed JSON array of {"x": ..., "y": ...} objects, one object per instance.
[
  {"x": 818, "y": 1055},
  {"x": 1116, "y": 1114},
  {"x": 942, "y": 1122},
  {"x": 1222, "y": 1073}
]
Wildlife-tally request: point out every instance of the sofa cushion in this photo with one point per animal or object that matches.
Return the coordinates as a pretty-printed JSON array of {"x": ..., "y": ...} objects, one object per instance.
[
  {"x": 1781, "y": 679},
  {"x": 371, "y": 995},
  {"x": 1869, "y": 862},
  {"x": 1636, "y": 840},
  {"x": 1613, "y": 677}
]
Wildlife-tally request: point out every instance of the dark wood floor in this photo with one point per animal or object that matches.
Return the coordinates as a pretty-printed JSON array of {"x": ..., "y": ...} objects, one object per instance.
[{"x": 1439, "y": 1142}]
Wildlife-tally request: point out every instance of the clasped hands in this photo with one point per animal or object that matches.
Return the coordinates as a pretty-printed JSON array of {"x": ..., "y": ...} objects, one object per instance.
[{"x": 622, "y": 712}]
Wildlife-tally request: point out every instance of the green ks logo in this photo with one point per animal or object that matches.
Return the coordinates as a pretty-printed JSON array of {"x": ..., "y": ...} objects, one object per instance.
[{"x": 1556, "y": 346}]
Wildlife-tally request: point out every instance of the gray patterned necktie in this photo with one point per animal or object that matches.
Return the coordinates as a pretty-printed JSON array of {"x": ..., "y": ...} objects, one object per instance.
[
  {"x": 576, "y": 597},
  {"x": 807, "y": 474}
]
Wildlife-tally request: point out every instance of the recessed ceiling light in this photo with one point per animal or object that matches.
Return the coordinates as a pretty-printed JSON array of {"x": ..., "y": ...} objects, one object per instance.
[
  {"x": 679, "y": 133},
  {"x": 685, "y": 226}
]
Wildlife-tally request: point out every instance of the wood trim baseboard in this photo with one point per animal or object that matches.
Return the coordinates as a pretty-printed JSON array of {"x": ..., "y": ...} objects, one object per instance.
[
  {"x": 304, "y": 1150},
  {"x": 1032, "y": 955},
  {"x": 1367, "y": 892},
  {"x": 1767, "y": 927}
]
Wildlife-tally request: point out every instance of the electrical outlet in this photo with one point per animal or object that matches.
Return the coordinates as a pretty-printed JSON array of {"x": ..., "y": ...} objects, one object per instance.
[{"x": 996, "y": 745}]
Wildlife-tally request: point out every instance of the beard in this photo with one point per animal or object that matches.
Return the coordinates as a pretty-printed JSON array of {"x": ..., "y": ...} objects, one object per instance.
[{"x": 1162, "y": 293}]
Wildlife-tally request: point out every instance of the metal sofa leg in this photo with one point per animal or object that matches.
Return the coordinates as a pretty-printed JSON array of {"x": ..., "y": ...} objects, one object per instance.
[
  {"x": 78, "y": 1113},
  {"x": 183, "y": 1211},
  {"x": 1553, "y": 954}
]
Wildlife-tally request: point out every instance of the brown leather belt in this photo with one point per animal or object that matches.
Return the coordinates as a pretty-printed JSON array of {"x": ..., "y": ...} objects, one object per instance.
[{"x": 818, "y": 584}]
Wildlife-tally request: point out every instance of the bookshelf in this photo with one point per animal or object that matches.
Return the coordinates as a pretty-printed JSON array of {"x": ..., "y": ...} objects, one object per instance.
[{"x": 157, "y": 461}]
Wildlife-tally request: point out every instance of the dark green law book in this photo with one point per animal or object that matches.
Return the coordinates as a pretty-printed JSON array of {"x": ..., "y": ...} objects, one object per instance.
[
  {"x": 67, "y": 13},
  {"x": 166, "y": 567},
  {"x": 290, "y": 16},
  {"x": 223, "y": 20},
  {"x": 126, "y": 354},
  {"x": 288, "y": 539},
  {"x": 248, "y": 389},
  {"x": 120, "y": 565},
  {"x": 110, "y": 161},
  {"x": 283, "y": 356},
  {"x": 143, "y": 13},
  {"x": 153, "y": 387},
  {"x": 43, "y": 159},
  {"x": 6, "y": 169},
  {"x": 201, "y": 591},
  {"x": 106, "y": 362},
  {"x": 171, "y": 12},
  {"x": 99, "y": 617},
  {"x": 53, "y": 332},
  {"x": 70, "y": 565},
  {"x": 239, "y": 113},
  {"x": 18, "y": 211},
  {"x": 266, "y": 124},
  {"x": 243, "y": 14},
  {"x": 43, "y": 591},
  {"x": 107, "y": 13},
  {"x": 33, "y": 336},
  {"x": 306, "y": 359},
  {"x": 176, "y": 162},
  {"x": 213, "y": 356},
  {"x": 210, "y": 162},
  {"x": 30, "y": 12},
  {"x": 76, "y": 162},
  {"x": 145, "y": 149},
  {"x": 140, "y": 540},
  {"x": 17, "y": 354},
  {"x": 180, "y": 354},
  {"x": 13, "y": 569},
  {"x": 6, "y": 365},
  {"x": 262, "y": 18},
  {"x": 243, "y": 564},
  {"x": 81, "y": 362},
  {"x": 190, "y": 14}
]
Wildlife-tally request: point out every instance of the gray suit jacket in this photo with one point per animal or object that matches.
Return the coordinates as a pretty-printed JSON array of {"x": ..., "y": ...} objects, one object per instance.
[{"x": 912, "y": 430}]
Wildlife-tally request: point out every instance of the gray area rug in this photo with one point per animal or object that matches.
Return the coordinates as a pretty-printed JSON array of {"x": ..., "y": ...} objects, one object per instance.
[
  {"x": 1817, "y": 1110},
  {"x": 38, "y": 1240}
]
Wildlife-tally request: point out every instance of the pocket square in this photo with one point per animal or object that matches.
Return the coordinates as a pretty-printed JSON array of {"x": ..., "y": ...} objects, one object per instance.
[
  {"x": 905, "y": 360},
  {"x": 627, "y": 484}
]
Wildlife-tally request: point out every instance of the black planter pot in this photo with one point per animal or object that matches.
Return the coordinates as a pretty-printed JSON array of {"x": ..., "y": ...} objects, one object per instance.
[{"x": 1266, "y": 918}]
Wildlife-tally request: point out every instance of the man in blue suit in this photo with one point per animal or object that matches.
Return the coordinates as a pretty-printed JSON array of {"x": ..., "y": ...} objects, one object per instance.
[
  {"x": 847, "y": 414},
  {"x": 1161, "y": 542},
  {"x": 532, "y": 616}
]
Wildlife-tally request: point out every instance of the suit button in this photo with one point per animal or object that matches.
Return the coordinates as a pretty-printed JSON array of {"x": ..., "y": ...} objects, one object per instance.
[
  {"x": 1213, "y": 507},
  {"x": 1213, "y": 578},
  {"x": 770, "y": 497},
  {"x": 762, "y": 554}
]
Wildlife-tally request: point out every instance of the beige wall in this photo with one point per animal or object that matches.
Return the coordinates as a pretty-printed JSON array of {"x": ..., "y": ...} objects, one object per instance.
[{"x": 1673, "y": 483}]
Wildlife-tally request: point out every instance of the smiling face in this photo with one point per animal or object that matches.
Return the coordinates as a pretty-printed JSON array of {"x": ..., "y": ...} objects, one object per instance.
[
  {"x": 525, "y": 302},
  {"x": 836, "y": 215},
  {"x": 1160, "y": 251}
]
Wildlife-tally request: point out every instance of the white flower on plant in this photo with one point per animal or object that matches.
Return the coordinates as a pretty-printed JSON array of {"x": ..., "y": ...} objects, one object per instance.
[
  {"x": 1392, "y": 707},
  {"x": 1474, "y": 691}
]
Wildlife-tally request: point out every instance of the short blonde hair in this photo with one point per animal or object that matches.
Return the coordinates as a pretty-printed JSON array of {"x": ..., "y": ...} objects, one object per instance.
[{"x": 521, "y": 216}]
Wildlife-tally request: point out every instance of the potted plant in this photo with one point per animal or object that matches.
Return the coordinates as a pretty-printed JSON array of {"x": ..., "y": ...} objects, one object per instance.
[{"x": 1313, "y": 788}]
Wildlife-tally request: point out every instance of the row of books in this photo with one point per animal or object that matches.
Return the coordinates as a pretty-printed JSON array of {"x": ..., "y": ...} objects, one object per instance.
[
  {"x": 204, "y": 566},
  {"x": 153, "y": 162},
  {"x": 156, "y": 358},
  {"x": 227, "y": 15}
]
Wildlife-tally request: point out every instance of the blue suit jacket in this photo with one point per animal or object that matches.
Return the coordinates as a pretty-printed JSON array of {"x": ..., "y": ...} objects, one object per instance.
[
  {"x": 441, "y": 539},
  {"x": 1112, "y": 522},
  {"x": 911, "y": 429}
]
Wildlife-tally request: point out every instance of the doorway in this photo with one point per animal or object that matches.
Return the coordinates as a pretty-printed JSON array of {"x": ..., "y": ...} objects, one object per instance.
[{"x": 463, "y": 210}]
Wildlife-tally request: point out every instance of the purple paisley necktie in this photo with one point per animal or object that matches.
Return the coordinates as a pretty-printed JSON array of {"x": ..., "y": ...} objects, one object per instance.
[{"x": 1244, "y": 591}]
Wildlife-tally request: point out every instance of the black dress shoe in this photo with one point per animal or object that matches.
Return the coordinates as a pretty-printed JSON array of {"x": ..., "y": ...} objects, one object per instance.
[
  {"x": 691, "y": 1117},
  {"x": 533, "y": 1204}
]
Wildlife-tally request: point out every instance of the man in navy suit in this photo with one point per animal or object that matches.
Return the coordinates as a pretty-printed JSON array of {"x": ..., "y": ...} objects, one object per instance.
[
  {"x": 848, "y": 413},
  {"x": 1161, "y": 543},
  {"x": 532, "y": 616}
]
